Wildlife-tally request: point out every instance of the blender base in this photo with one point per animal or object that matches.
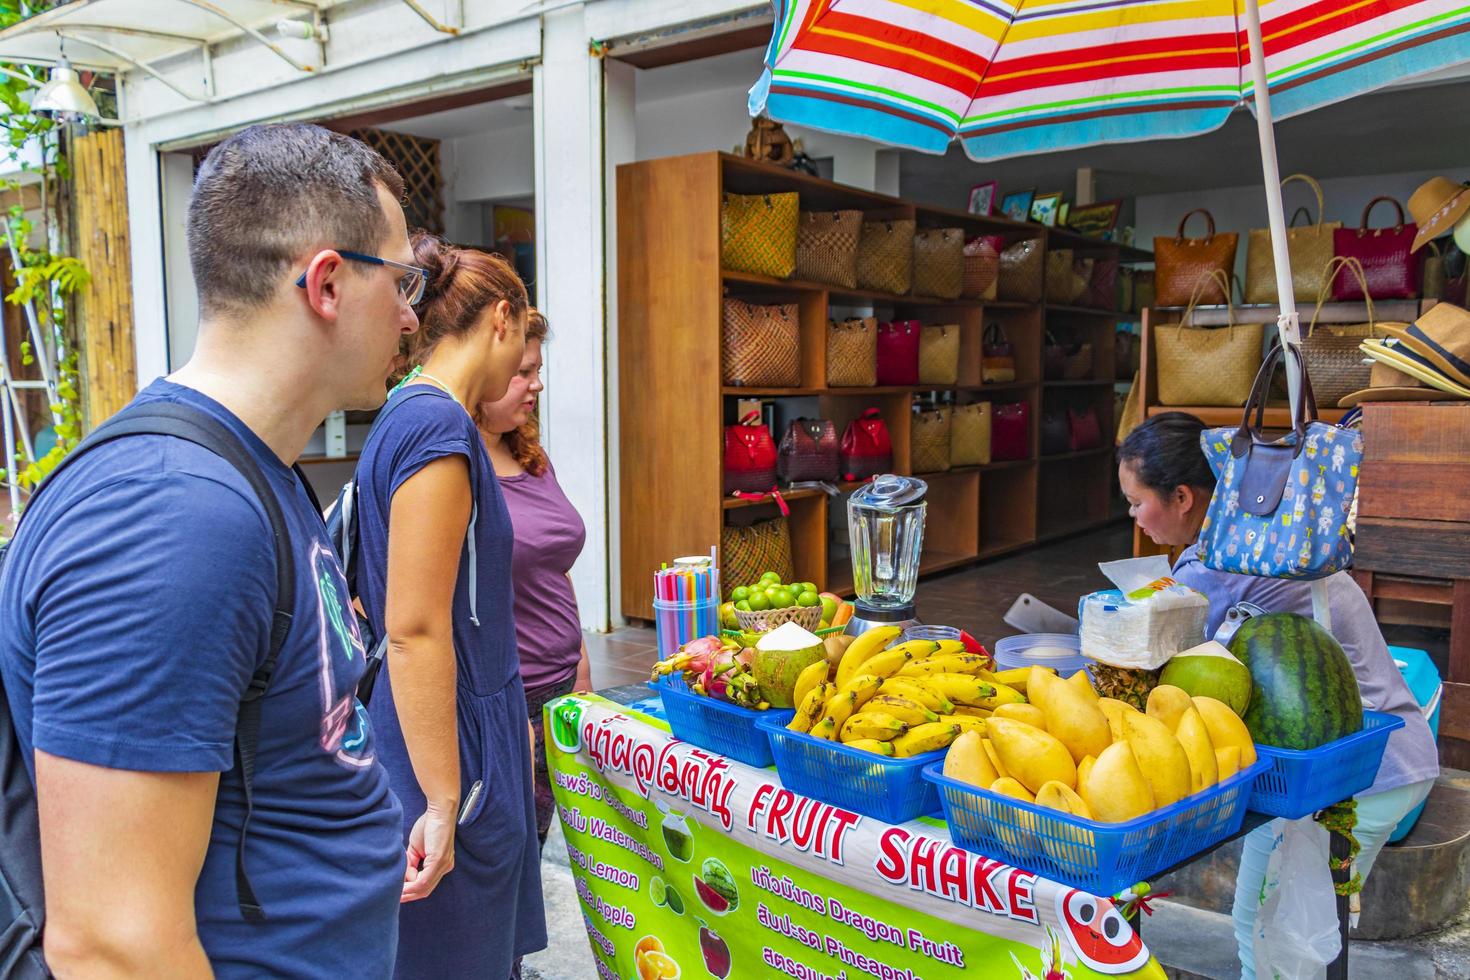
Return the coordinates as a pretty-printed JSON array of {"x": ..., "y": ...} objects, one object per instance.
[{"x": 865, "y": 618}]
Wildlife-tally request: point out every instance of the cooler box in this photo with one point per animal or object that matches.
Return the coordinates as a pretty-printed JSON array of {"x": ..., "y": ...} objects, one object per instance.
[{"x": 1424, "y": 683}]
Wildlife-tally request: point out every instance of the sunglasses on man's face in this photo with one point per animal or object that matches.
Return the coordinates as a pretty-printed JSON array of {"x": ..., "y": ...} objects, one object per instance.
[{"x": 411, "y": 281}]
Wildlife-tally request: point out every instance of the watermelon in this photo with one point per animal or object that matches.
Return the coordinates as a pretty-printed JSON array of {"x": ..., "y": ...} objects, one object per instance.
[{"x": 1303, "y": 690}]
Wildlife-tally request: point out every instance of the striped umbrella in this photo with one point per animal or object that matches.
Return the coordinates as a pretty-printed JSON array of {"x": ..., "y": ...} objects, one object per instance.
[{"x": 1013, "y": 77}]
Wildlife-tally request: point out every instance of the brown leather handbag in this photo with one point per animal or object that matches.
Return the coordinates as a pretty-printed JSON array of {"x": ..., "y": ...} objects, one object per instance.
[
  {"x": 809, "y": 451},
  {"x": 760, "y": 346},
  {"x": 852, "y": 353},
  {"x": 1181, "y": 264},
  {"x": 826, "y": 247},
  {"x": 939, "y": 262},
  {"x": 885, "y": 259}
]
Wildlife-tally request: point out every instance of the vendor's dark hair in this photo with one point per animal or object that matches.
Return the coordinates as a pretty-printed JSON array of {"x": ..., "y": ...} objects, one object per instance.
[{"x": 1165, "y": 453}]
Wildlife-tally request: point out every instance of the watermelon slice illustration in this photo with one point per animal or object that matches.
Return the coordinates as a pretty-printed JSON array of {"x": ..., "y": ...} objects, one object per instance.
[{"x": 1100, "y": 936}]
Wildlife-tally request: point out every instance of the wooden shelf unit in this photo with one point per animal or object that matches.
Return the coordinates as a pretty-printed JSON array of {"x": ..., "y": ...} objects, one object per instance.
[{"x": 675, "y": 407}]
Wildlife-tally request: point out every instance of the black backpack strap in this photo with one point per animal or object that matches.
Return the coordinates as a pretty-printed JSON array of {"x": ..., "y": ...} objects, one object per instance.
[{"x": 197, "y": 426}]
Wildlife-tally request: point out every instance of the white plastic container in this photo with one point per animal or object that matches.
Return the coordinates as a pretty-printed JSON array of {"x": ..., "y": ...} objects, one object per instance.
[{"x": 1062, "y": 651}]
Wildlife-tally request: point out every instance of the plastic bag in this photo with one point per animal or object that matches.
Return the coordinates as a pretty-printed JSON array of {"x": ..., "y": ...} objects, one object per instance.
[
  {"x": 1296, "y": 927},
  {"x": 1141, "y": 628}
]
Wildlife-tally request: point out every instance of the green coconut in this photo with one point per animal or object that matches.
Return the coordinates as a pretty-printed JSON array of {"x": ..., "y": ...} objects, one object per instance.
[
  {"x": 1210, "y": 670},
  {"x": 780, "y": 657}
]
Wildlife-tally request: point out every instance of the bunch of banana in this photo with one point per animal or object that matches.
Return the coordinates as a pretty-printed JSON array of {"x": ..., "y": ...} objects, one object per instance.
[{"x": 904, "y": 700}]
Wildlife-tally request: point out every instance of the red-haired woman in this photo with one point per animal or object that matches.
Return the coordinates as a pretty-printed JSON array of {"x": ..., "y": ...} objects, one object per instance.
[
  {"x": 435, "y": 577},
  {"x": 549, "y": 536}
]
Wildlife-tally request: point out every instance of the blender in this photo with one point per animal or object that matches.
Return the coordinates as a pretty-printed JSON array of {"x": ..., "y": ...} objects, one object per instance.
[{"x": 885, "y": 526}]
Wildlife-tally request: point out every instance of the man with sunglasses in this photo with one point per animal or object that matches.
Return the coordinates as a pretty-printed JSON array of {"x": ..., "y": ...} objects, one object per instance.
[{"x": 136, "y": 609}]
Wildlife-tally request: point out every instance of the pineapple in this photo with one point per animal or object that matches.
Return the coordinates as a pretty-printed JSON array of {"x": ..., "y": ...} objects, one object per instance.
[{"x": 1124, "y": 683}]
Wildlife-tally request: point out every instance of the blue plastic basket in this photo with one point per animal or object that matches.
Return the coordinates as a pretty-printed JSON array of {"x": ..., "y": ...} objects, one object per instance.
[
  {"x": 892, "y": 790},
  {"x": 717, "y": 725},
  {"x": 1299, "y": 782},
  {"x": 1099, "y": 858}
]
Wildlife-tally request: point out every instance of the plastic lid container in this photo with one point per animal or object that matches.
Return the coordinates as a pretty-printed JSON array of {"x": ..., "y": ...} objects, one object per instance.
[{"x": 1060, "y": 650}]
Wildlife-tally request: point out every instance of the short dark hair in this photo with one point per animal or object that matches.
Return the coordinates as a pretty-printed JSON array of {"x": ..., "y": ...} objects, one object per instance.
[
  {"x": 1165, "y": 453},
  {"x": 266, "y": 195}
]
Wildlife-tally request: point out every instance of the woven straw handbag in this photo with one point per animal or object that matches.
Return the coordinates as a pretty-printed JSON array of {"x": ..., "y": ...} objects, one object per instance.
[
  {"x": 939, "y": 355},
  {"x": 758, "y": 233},
  {"x": 826, "y": 247},
  {"x": 929, "y": 441},
  {"x": 1208, "y": 367},
  {"x": 1060, "y": 285},
  {"x": 852, "y": 353},
  {"x": 760, "y": 346},
  {"x": 1183, "y": 266},
  {"x": 1309, "y": 248},
  {"x": 939, "y": 262},
  {"x": 885, "y": 261},
  {"x": 969, "y": 435},
  {"x": 1330, "y": 351},
  {"x": 982, "y": 267},
  {"x": 1021, "y": 271},
  {"x": 747, "y": 553}
]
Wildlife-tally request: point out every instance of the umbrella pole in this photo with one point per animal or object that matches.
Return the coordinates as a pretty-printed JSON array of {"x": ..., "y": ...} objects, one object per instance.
[{"x": 1287, "y": 323}]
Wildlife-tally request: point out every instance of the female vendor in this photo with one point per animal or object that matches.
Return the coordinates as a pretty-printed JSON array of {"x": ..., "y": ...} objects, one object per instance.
[{"x": 1168, "y": 483}]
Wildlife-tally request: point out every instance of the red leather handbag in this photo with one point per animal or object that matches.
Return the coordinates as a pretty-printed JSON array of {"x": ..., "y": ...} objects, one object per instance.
[
  {"x": 898, "y": 352},
  {"x": 1010, "y": 431},
  {"x": 866, "y": 448},
  {"x": 750, "y": 456},
  {"x": 1389, "y": 264},
  {"x": 1085, "y": 429}
]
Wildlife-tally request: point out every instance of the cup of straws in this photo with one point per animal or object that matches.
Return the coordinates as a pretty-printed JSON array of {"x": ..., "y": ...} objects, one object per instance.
[{"x": 686, "y": 602}]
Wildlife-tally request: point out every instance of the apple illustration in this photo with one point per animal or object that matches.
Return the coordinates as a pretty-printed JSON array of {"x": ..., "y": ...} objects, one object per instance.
[{"x": 716, "y": 952}]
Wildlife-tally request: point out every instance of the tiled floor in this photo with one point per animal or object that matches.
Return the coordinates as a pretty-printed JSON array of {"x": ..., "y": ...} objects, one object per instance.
[{"x": 974, "y": 598}]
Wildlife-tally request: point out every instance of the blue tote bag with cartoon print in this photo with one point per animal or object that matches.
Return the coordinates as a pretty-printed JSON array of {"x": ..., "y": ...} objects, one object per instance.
[{"x": 1280, "y": 507}]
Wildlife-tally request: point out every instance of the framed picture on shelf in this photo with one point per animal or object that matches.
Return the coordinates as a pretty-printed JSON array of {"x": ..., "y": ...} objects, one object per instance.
[
  {"x": 982, "y": 198},
  {"x": 1044, "y": 209},
  {"x": 1017, "y": 204},
  {"x": 1095, "y": 220}
]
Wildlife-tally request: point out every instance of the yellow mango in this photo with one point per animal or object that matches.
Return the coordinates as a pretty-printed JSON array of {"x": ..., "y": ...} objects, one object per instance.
[
  {"x": 1006, "y": 786},
  {"x": 1167, "y": 703},
  {"x": 1204, "y": 769},
  {"x": 1083, "y": 768},
  {"x": 1031, "y": 755},
  {"x": 1082, "y": 684},
  {"x": 994, "y": 758},
  {"x": 966, "y": 761},
  {"x": 1115, "y": 790},
  {"x": 1060, "y": 796},
  {"x": 1029, "y": 713},
  {"x": 1113, "y": 711},
  {"x": 1163, "y": 760},
  {"x": 1228, "y": 761},
  {"x": 1226, "y": 729},
  {"x": 1074, "y": 718},
  {"x": 1039, "y": 683}
]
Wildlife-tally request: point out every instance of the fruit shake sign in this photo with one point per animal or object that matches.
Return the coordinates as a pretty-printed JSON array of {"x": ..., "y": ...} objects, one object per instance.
[{"x": 691, "y": 865}]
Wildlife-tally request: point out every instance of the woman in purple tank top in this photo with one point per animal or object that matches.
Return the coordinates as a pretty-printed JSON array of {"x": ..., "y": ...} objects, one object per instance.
[{"x": 549, "y": 535}]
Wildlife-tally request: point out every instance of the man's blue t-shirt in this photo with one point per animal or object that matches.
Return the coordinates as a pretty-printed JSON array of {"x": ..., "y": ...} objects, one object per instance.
[{"x": 135, "y": 604}]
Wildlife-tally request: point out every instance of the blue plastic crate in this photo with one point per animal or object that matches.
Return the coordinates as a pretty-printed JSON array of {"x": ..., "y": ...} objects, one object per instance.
[
  {"x": 892, "y": 790},
  {"x": 1099, "y": 858},
  {"x": 717, "y": 725},
  {"x": 1299, "y": 782}
]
